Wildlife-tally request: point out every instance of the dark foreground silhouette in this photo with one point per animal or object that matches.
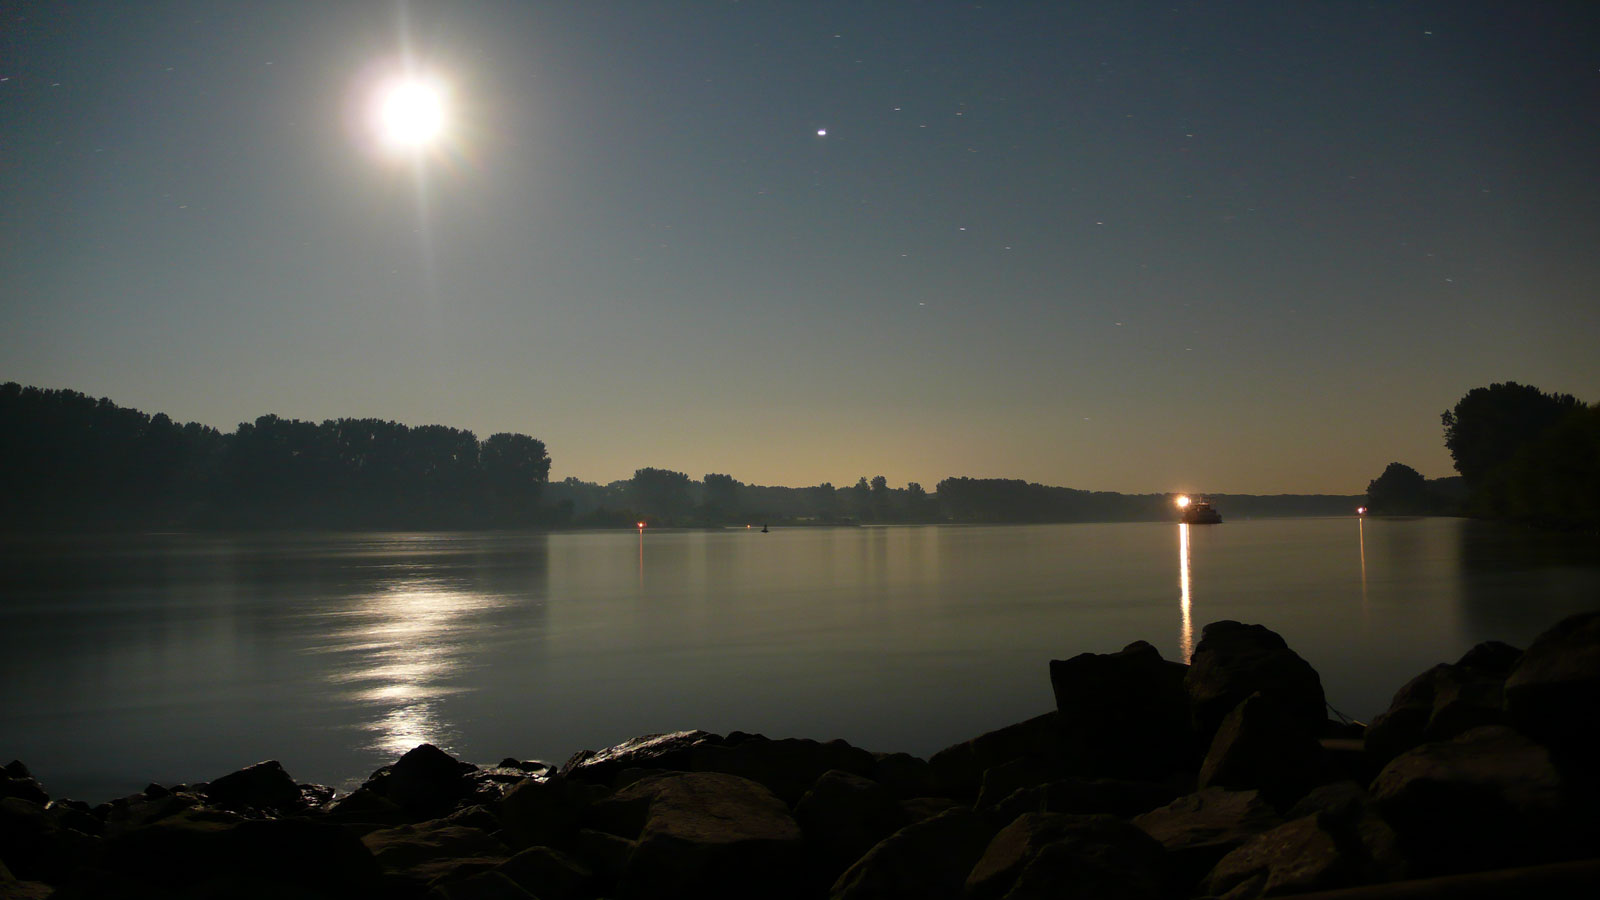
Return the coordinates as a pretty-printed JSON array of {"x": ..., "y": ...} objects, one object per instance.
[{"x": 1150, "y": 779}]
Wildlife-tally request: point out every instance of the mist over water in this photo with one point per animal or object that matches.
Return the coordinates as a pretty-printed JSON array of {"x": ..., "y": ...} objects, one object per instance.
[{"x": 180, "y": 658}]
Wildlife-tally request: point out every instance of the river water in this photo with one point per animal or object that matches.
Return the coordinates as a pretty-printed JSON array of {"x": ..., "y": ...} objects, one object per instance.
[{"x": 176, "y": 658}]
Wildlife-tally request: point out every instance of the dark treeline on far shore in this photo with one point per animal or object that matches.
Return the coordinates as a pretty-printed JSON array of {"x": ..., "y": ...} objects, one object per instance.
[
  {"x": 1522, "y": 455},
  {"x": 72, "y": 462}
]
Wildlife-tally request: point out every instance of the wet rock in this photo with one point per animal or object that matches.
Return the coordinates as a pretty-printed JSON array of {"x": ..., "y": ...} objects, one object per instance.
[
  {"x": 13, "y": 888},
  {"x": 137, "y": 810},
  {"x": 788, "y": 767},
  {"x": 1253, "y": 749},
  {"x": 1487, "y": 799},
  {"x": 1125, "y": 714},
  {"x": 543, "y": 812},
  {"x": 1200, "y": 828},
  {"x": 905, "y": 776},
  {"x": 548, "y": 874},
  {"x": 1052, "y": 854},
  {"x": 210, "y": 853},
  {"x": 426, "y": 782},
  {"x": 958, "y": 769},
  {"x": 1445, "y": 701},
  {"x": 491, "y": 885},
  {"x": 427, "y": 851},
  {"x": 711, "y": 833},
  {"x": 1492, "y": 658},
  {"x": 652, "y": 751},
  {"x": 845, "y": 815},
  {"x": 264, "y": 785},
  {"x": 1553, "y": 693},
  {"x": 366, "y": 806},
  {"x": 928, "y": 860},
  {"x": 1233, "y": 661},
  {"x": 1086, "y": 796},
  {"x": 24, "y": 787},
  {"x": 34, "y": 847}
]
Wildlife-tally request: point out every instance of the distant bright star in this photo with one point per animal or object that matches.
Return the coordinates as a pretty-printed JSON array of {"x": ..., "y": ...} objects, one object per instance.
[{"x": 822, "y": 132}]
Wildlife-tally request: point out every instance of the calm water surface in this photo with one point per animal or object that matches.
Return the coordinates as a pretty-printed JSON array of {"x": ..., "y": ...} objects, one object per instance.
[{"x": 180, "y": 658}]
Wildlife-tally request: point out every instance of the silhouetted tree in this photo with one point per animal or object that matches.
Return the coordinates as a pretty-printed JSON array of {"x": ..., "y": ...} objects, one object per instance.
[
  {"x": 1487, "y": 426},
  {"x": 661, "y": 494},
  {"x": 1400, "y": 490},
  {"x": 722, "y": 498}
]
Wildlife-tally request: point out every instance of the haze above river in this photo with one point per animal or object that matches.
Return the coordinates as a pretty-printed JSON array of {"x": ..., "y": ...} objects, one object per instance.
[{"x": 180, "y": 658}]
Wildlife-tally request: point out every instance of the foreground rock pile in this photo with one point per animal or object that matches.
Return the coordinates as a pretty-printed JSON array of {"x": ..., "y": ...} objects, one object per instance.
[{"x": 1150, "y": 779}]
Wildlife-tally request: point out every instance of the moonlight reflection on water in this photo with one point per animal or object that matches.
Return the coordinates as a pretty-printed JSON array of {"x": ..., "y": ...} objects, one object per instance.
[{"x": 405, "y": 651}]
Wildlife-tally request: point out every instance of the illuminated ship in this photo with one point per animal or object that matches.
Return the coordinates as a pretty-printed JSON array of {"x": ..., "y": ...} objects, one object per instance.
[{"x": 1198, "y": 512}]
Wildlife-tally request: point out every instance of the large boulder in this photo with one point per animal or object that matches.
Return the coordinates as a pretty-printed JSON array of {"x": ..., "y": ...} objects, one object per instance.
[
  {"x": 209, "y": 853},
  {"x": 928, "y": 860},
  {"x": 34, "y": 846},
  {"x": 1296, "y": 857},
  {"x": 1233, "y": 661},
  {"x": 1489, "y": 798},
  {"x": 1053, "y": 855},
  {"x": 543, "y": 812},
  {"x": 1085, "y": 796},
  {"x": 788, "y": 767},
  {"x": 906, "y": 776},
  {"x": 431, "y": 850},
  {"x": 549, "y": 874},
  {"x": 17, "y": 781},
  {"x": 710, "y": 833},
  {"x": 1201, "y": 828},
  {"x": 843, "y": 816},
  {"x": 1252, "y": 749},
  {"x": 1125, "y": 714},
  {"x": 1553, "y": 693},
  {"x": 958, "y": 769},
  {"x": 263, "y": 786},
  {"x": 1439, "y": 704},
  {"x": 426, "y": 782},
  {"x": 651, "y": 751}
]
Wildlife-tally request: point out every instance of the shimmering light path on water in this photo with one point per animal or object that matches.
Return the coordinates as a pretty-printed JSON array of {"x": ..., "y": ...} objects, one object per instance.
[{"x": 175, "y": 658}]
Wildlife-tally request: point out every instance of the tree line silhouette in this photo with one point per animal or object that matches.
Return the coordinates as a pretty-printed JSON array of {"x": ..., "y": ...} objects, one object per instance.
[
  {"x": 72, "y": 462},
  {"x": 1522, "y": 454}
]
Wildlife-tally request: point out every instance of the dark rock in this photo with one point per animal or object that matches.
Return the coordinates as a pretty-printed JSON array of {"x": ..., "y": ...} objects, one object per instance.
[
  {"x": 479, "y": 817},
  {"x": 1125, "y": 714},
  {"x": 1050, "y": 854},
  {"x": 1233, "y": 661},
  {"x": 1199, "y": 829},
  {"x": 75, "y": 816},
  {"x": 428, "y": 850},
  {"x": 1254, "y": 749},
  {"x": 1086, "y": 796},
  {"x": 1294, "y": 858},
  {"x": 315, "y": 795},
  {"x": 491, "y": 885},
  {"x": 27, "y": 789},
  {"x": 34, "y": 847},
  {"x": 209, "y": 853},
  {"x": 1491, "y": 657},
  {"x": 905, "y": 776},
  {"x": 1553, "y": 694},
  {"x": 845, "y": 815},
  {"x": 11, "y": 888},
  {"x": 548, "y": 874},
  {"x": 137, "y": 811},
  {"x": 927, "y": 860},
  {"x": 367, "y": 806},
  {"x": 1445, "y": 701},
  {"x": 264, "y": 785},
  {"x": 426, "y": 782},
  {"x": 154, "y": 791},
  {"x": 604, "y": 854},
  {"x": 542, "y": 812},
  {"x": 958, "y": 769},
  {"x": 651, "y": 751},
  {"x": 16, "y": 769},
  {"x": 711, "y": 833},
  {"x": 1000, "y": 782},
  {"x": 919, "y": 809},
  {"x": 787, "y": 767},
  {"x": 1489, "y": 798}
]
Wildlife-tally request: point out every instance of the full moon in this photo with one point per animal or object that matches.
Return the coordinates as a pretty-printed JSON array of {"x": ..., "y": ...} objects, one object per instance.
[{"x": 411, "y": 113}]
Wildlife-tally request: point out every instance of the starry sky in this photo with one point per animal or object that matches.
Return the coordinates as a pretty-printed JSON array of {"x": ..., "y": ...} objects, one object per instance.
[{"x": 1226, "y": 246}]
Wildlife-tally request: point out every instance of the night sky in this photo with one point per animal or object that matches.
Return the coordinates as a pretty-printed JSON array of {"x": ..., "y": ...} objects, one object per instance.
[{"x": 1226, "y": 246}]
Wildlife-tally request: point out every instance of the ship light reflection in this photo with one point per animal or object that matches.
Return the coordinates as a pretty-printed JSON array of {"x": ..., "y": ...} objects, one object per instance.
[{"x": 1186, "y": 629}]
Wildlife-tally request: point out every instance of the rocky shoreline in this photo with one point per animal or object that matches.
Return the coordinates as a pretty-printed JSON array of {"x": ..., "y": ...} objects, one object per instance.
[{"x": 1150, "y": 779}]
